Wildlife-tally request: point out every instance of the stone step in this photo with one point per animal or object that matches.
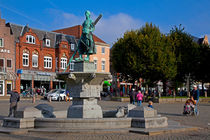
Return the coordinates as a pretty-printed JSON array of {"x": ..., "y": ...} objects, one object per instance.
[{"x": 18, "y": 122}]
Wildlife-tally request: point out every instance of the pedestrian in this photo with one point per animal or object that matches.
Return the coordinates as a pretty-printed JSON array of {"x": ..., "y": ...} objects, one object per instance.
[
  {"x": 139, "y": 97},
  {"x": 150, "y": 104},
  {"x": 196, "y": 95},
  {"x": 133, "y": 95},
  {"x": 14, "y": 99},
  {"x": 67, "y": 96}
]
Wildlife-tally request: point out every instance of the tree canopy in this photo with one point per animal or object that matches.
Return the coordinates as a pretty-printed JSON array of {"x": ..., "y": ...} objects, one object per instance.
[{"x": 145, "y": 53}]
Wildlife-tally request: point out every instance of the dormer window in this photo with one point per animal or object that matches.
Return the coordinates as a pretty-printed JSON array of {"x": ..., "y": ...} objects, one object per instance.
[
  {"x": 30, "y": 39},
  {"x": 72, "y": 46},
  {"x": 47, "y": 42}
]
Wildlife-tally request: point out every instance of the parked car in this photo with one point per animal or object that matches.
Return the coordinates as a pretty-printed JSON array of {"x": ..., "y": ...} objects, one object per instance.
[
  {"x": 50, "y": 92},
  {"x": 58, "y": 95}
]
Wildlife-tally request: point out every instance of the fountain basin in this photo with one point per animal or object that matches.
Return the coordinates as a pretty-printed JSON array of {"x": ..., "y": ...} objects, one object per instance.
[{"x": 82, "y": 123}]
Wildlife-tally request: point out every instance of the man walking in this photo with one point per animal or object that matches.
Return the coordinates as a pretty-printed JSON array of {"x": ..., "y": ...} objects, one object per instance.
[{"x": 14, "y": 99}]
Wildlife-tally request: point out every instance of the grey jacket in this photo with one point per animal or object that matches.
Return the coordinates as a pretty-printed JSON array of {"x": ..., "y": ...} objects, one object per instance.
[{"x": 14, "y": 97}]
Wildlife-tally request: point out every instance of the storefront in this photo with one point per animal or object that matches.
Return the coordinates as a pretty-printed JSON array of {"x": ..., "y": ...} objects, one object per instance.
[{"x": 36, "y": 79}]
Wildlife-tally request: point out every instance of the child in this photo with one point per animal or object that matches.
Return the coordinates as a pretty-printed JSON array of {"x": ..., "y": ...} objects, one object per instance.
[
  {"x": 139, "y": 97},
  {"x": 189, "y": 106},
  {"x": 150, "y": 104}
]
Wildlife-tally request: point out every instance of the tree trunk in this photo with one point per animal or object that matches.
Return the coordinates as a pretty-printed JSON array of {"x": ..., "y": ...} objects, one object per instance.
[
  {"x": 164, "y": 87},
  {"x": 188, "y": 85}
]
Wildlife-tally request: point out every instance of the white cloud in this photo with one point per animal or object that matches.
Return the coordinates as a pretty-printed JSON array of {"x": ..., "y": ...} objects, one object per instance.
[
  {"x": 108, "y": 28},
  {"x": 115, "y": 26}
]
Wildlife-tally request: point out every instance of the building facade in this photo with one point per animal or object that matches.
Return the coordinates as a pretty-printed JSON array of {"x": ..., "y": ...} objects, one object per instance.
[
  {"x": 101, "y": 58},
  {"x": 39, "y": 56},
  {"x": 7, "y": 59}
]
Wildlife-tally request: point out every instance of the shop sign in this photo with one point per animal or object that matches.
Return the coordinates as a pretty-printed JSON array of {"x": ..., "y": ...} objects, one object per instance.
[
  {"x": 4, "y": 51},
  {"x": 44, "y": 73}
]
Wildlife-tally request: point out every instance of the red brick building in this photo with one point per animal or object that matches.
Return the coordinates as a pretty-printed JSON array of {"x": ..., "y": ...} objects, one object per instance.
[
  {"x": 39, "y": 55},
  {"x": 7, "y": 59}
]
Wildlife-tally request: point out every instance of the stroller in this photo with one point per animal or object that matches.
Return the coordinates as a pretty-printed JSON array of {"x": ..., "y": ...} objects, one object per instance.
[{"x": 189, "y": 109}]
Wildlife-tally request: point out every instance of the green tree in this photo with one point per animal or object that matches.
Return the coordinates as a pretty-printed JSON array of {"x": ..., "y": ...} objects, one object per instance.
[
  {"x": 202, "y": 67},
  {"x": 145, "y": 53},
  {"x": 186, "y": 51}
]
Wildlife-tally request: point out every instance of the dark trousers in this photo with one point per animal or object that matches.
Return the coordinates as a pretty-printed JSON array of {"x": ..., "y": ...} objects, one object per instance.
[
  {"x": 12, "y": 109},
  {"x": 131, "y": 99}
]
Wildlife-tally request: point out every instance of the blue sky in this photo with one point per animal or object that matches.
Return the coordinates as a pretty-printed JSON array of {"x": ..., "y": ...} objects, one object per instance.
[{"x": 118, "y": 15}]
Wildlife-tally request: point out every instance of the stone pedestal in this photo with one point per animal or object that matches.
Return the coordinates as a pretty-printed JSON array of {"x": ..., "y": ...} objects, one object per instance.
[
  {"x": 84, "y": 85},
  {"x": 18, "y": 122},
  {"x": 146, "y": 117},
  {"x": 28, "y": 112}
]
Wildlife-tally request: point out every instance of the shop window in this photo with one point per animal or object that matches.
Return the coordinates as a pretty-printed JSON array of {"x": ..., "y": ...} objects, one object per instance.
[
  {"x": 30, "y": 39},
  {"x": 9, "y": 63},
  {"x": 47, "y": 62},
  {"x": 9, "y": 86},
  {"x": 34, "y": 60},
  {"x": 1, "y": 88},
  {"x": 63, "y": 63},
  {"x": 1, "y": 42},
  {"x": 25, "y": 59}
]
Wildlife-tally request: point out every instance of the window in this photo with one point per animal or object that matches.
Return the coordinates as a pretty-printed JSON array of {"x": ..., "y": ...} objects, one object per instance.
[
  {"x": 56, "y": 63},
  {"x": 34, "y": 60},
  {"x": 47, "y": 62},
  {"x": 64, "y": 46},
  {"x": 47, "y": 42},
  {"x": 72, "y": 46},
  {"x": 72, "y": 66},
  {"x": 1, "y": 42},
  {"x": 9, "y": 86},
  {"x": 30, "y": 39},
  {"x": 102, "y": 65},
  {"x": 63, "y": 63},
  {"x": 2, "y": 65},
  {"x": 25, "y": 59},
  {"x": 95, "y": 64},
  {"x": 103, "y": 50},
  {"x": 9, "y": 63}
]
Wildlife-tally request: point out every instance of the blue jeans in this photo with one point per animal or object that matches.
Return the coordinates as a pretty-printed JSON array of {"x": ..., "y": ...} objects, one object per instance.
[
  {"x": 196, "y": 107},
  {"x": 133, "y": 102},
  {"x": 139, "y": 103}
]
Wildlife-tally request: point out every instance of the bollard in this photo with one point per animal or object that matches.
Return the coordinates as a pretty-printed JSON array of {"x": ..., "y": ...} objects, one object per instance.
[
  {"x": 33, "y": 98},
  {"x": 49, "y": 99}
]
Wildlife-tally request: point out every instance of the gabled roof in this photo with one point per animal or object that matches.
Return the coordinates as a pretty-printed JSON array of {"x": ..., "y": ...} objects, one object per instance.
[
  {"x": 55, "y": 38},
  {"x": 77, "y": 32},
  {"x": 201, "y": 40}
]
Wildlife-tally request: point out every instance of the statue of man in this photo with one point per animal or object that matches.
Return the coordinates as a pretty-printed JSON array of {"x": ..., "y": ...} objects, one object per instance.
[{"x": 86, "y": 45}]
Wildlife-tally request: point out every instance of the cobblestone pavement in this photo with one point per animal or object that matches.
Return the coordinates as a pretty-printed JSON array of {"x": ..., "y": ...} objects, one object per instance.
[{"x": 171, "y": 110}]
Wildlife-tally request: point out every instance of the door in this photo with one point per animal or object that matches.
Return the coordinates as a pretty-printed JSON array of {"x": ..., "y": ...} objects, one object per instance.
[{"x": 1, "y": 88}]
